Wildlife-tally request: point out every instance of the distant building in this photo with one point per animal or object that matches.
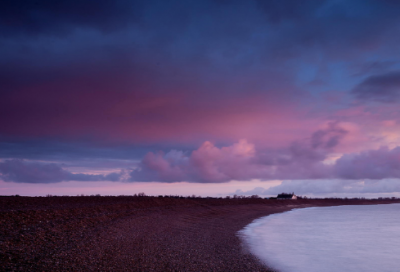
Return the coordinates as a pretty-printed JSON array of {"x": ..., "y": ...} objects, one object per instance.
[{"x": 286, "y": 196}]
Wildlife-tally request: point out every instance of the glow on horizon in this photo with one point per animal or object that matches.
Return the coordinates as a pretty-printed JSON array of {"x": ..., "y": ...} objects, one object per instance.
[{"x": 74, "y": 188}]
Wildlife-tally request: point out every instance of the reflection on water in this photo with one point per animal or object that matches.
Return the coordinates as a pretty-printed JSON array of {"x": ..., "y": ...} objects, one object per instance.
[{"x": 345, "y": 238}]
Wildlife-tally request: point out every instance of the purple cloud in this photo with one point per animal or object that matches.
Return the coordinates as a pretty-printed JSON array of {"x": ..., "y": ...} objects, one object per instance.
[
  {"x": 382, "y": 88},
  {"x": 34, "y": 172},
  {"x": 241, "y": 161},
  {"x": 372, "y": 164},
  {"x": 206, "y": 164}
]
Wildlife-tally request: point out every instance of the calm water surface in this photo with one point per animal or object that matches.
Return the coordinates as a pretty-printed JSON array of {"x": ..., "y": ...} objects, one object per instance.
[{"x": 345, "y": 238}]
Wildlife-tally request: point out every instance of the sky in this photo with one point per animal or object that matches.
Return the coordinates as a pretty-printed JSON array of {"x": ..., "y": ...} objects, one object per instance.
[{"x": 210, "y": 98}]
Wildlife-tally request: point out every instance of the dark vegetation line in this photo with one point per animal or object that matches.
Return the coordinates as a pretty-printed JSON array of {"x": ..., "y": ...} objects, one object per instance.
[{"x": 208, "y": 197}]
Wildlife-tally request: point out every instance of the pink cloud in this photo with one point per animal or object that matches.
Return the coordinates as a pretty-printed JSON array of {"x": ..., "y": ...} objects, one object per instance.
[
  {"x": 241, "y": 161},
  {"x": 303, "y": 159},
  {"x": 206, "y": 164}
]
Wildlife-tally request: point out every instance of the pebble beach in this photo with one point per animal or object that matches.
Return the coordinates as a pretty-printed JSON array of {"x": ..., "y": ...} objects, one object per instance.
[{"x": 127, "y": 233}]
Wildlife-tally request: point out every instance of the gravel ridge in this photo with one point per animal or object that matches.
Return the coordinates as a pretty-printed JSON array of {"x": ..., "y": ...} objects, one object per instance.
[{"x": 135, "y": 233}]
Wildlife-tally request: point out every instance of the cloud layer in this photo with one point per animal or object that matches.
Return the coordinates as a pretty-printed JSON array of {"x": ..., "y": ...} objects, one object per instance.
[
  {"x": 189, "y": 71},
  {"x": 241, "y": 161},
  {"x": 382, "y": 88},
  {"x": 165, "y": 90},
  {"x": 35, "y": 172},
  {"x": 326, "y": 187},
  {"x": 302, "y": 159}
]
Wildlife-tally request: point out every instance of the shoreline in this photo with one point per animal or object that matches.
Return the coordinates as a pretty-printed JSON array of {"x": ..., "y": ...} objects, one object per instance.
[
  {"x": 313, "y": 247},
  {"x": 136, "y": 233}
]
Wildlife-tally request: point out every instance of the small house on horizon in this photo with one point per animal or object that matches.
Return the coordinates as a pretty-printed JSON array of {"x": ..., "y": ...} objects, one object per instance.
[{"x": 286, "y": 196}]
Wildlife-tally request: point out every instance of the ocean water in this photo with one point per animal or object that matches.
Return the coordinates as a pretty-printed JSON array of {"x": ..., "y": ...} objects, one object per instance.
[{"x": 344, "y": 238}]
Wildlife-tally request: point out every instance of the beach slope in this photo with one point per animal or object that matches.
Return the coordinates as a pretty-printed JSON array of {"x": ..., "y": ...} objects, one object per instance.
[{"x": 135, "y": 233}]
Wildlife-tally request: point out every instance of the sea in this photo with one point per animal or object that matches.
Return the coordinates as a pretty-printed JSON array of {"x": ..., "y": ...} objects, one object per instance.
[{"x": 328, "y": 239}]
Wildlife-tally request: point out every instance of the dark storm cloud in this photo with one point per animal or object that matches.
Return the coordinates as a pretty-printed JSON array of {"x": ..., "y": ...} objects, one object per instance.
[
  {"x": 382, "y": 88},
  {"x": 58, "y": 17},
  {"x": 201, "y": 35},
  {"x": 279, "y": 11},
  {"x": 374, "y": 67},
  {"x": 201, "y": 24},
  {"x": 36, "y": 172}
]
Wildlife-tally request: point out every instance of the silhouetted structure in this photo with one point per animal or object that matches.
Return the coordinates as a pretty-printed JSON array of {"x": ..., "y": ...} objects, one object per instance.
[{"x": 286, "y": 196}]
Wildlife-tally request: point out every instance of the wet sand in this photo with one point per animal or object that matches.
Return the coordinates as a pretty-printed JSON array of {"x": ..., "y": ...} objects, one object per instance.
[{"x": 134, "y": 233}]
